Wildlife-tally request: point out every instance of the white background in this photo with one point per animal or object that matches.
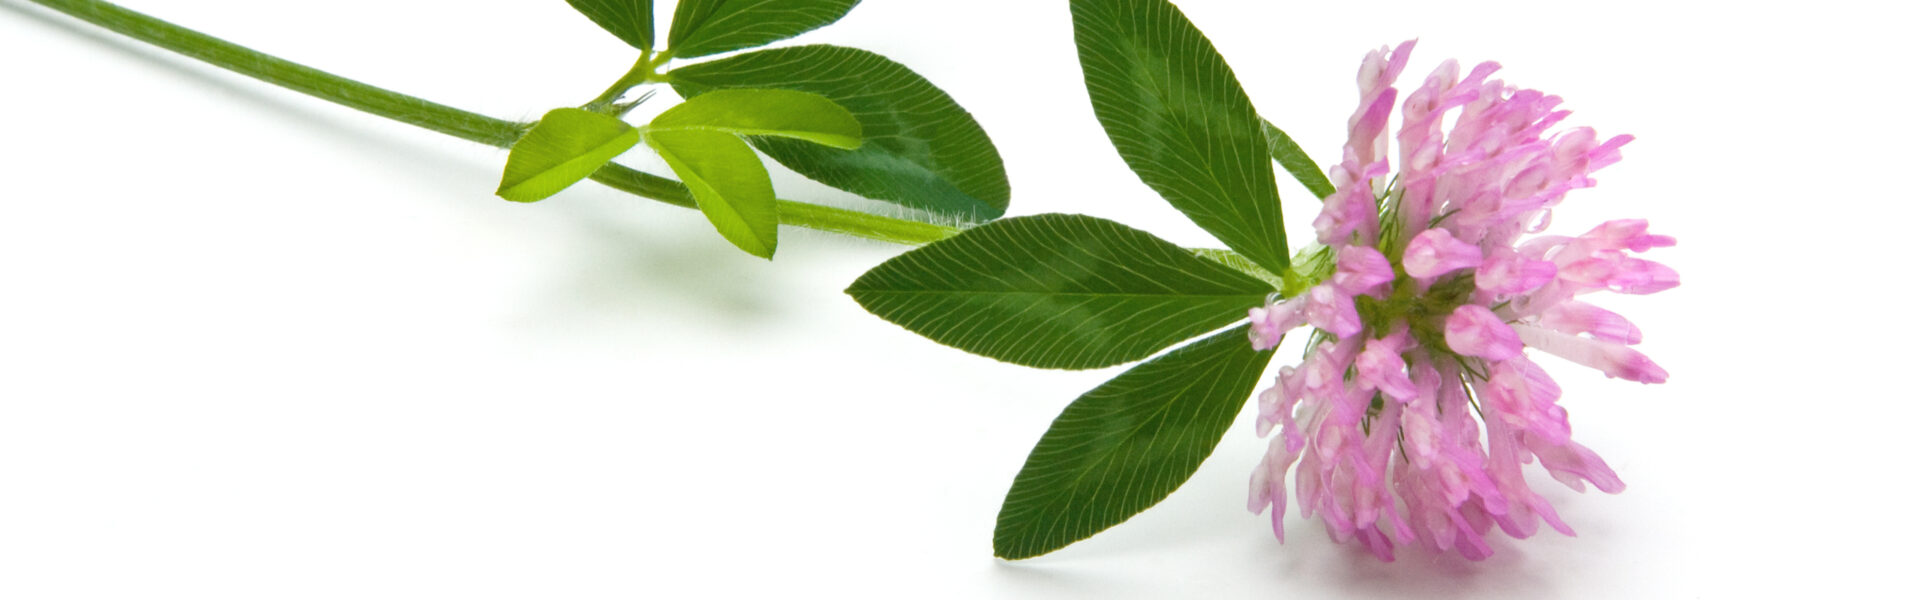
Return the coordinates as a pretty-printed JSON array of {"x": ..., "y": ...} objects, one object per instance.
[{"x": 254, "y": 345}]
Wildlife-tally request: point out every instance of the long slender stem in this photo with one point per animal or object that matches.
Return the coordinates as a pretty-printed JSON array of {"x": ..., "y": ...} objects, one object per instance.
[{"x": 453, "y": 121}]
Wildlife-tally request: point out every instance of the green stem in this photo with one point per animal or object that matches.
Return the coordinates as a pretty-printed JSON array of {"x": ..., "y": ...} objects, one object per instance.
[
  {"x": 642, "y": 72},
  {"x": 455, "y": 122}
]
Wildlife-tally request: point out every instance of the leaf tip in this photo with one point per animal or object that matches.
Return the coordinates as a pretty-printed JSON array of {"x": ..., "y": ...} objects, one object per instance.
[
  {"x": 1008, "y": 545},
  {"x": 515, "y": 194},
  {"x": 761, "y": 244},
  {"x": 1004, "y": 549}
]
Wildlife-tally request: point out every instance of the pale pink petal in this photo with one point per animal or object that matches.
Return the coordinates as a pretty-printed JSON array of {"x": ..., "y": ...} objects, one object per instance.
[
  {"x": 1368, "y": 129},
  {"x": 1638, "y": 276},
  {"x": 1344, "y": 212},
  {"x": 1570, "y": 150},
  {"x": 1591, "y": 273},
  {"x": 1277, "y": 404},
  {"x": 1506, "y": 272},
  {"x": 1472, "y": 330},
  {"x": 1607, "y": 153},
  {"x": 1333, "y": 311},
  {"x": 1421, "y": 421},
  {"x": 1361, "y": 269},
  {"x": 1523, "y": 396},
  {"x": 1270, "y": 401},
  {"x": 1570, "y": 463},
  {"x": 1506, "y": 394},
  {"x": 1616, "y": 360},
  {"x": 1326, "y": 367},
  {"x": 1628, "y": 234},
  {"x": 1418, "y": 110},
  {"x": 1351, "y": 208},
  {"x": 1529, "y": 181},
  {"x": 1274, "y": 320},
  {"x": 1421, "y": 426},
  {"x": 1435, "y": 252},
  {"x": 1525, "y": 508},
  {"x": 1542, "y": 247},
  {"x": 1575, "y": 317},
  {"x": 1401, "y": 54},
  {"x": 1379, "y": 367},
  {"x": 1376, "y": 542},
  {"x": 1268, "y": 485}
]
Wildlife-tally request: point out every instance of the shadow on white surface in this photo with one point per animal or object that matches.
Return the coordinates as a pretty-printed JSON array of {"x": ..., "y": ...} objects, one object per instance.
[
  {"x": 617, "y": 260},
  {"x": 313, "y": 117},
  {"x": 1200, "y": 542}
]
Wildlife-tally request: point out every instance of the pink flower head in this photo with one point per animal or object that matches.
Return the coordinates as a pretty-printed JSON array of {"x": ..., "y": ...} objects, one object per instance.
[{"x": 1418, "y": 402}]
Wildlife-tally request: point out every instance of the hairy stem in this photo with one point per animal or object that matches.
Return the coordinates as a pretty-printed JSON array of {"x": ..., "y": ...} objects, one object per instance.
[
  {"x": 643, "y": 71},
  {"x": 455, "y": 122}
]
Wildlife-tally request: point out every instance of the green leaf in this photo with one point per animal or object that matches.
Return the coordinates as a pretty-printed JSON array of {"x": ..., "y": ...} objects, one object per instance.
[
  {"x": 727, "y": 181},
  {"x": 922, "y": 150},
  {"x": 1235, "y": 261},
  {"x": 1126, "y": 445},
  {"x": 1057, "y": 291},
  {"x": 566, "y": 146},
  {"x": 779, "y": 113},
  {"x": 703, "y": 27},
  {"x": 630, "y": 20},
  {"x": 1296, "y": 161},
  {"x": 1181, "y": 120}
]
